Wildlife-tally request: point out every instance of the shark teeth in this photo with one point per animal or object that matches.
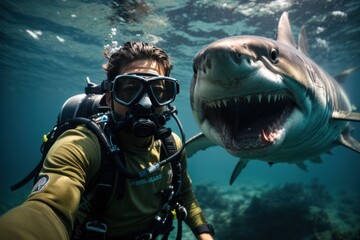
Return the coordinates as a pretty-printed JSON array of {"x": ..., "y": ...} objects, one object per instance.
[
  {"x": 249, "y": 122},
  {"x": 269, "y": 98}
]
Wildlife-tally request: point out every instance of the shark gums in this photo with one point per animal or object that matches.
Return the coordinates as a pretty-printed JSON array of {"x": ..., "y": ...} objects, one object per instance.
[{"x": 267, "y": 100}]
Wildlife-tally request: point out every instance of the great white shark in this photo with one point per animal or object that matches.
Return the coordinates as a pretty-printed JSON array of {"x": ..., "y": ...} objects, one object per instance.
[{"x": 267, "y": 100}]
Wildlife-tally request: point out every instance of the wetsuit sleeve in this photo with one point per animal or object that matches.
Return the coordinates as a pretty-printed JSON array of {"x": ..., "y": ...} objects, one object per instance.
[
  {"x": 195, "y": 216},
  {"x": 50, "y": 210}
]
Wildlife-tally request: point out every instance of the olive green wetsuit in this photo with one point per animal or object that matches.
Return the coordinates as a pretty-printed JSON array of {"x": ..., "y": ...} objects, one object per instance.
[{"x": 52, "y": 207}]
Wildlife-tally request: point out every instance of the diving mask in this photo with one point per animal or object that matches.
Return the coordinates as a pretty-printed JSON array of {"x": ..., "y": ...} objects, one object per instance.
[{"x": 128, "y": 89}]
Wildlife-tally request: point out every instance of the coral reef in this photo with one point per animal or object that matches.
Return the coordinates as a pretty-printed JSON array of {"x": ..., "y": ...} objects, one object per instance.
[
  {"x": 281, "y": 213},
  {"x": 292, "y": 211}
]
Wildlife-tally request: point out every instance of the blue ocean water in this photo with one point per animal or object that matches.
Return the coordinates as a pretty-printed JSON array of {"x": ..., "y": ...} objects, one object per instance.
[{"x": 48, "y": 48}]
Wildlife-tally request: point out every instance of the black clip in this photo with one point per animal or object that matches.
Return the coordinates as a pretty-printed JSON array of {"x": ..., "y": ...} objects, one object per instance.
[
  {"x": 144, "y": 236},
  {"x": 96, "y": 230}
]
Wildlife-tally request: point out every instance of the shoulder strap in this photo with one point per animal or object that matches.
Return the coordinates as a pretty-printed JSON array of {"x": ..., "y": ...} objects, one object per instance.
[
  {"x": 169, "y": 146},
  {"x": 169, "y": 149},
  {"x": 103, "y": 184}
]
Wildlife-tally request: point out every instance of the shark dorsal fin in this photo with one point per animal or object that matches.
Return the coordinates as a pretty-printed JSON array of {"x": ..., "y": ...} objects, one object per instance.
[
  {"x": 285, "y": 34},
  {"x": 302, "y": 41}
]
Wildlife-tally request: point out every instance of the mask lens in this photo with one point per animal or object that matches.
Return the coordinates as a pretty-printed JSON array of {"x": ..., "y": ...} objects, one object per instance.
[
  {"x": 126, "y": 89},
  {"x": 164, "y": 91}
]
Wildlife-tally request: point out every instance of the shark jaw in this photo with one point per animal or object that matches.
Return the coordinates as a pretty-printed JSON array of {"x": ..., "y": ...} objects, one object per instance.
[
  {"x": 247, "y": 109},
  {"x": 244, "y": 100},
  {"x": 250, "y": 125}
]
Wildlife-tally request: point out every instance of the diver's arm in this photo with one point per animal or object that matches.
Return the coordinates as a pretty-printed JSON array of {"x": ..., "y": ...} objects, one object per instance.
[
  {"x": 51, "y": 208},
  {"x": 33, "y": 220}
]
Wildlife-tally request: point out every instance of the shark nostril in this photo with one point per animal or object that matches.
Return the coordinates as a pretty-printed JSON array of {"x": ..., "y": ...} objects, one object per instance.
[
  {"x": 204, "y": 63},
  {"x": 236, "y": 56},
  {"x": 207, "y": 64},
  {"x": 203, "y": 57}
]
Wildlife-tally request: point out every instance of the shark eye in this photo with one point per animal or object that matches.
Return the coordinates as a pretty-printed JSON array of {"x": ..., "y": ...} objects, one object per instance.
[{"x": 274, "y": 56}]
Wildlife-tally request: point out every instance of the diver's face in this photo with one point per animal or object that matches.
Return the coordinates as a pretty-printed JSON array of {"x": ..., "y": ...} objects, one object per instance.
[{"x": 143, "y": 66}]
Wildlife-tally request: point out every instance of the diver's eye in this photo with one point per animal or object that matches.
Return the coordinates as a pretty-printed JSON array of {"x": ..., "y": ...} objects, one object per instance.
[{"x": 274, "y": 56}]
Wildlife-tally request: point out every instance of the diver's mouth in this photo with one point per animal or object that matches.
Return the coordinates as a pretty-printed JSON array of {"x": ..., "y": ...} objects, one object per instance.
[{"x": 249, "y": 122}]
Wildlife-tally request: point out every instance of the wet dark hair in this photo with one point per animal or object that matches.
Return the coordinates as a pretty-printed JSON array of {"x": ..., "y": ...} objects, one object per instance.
[{"x": 132, "y": 51}]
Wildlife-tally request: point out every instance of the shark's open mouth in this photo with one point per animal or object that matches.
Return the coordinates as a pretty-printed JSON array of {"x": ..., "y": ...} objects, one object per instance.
[{"x": 249, "y": 122}]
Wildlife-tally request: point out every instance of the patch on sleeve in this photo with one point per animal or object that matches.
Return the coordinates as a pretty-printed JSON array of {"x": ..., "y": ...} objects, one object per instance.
[{"x": 41, "y": 183}]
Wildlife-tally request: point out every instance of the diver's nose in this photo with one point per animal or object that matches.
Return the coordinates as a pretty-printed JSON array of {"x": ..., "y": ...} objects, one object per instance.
[{"x": 145, "y": 101}]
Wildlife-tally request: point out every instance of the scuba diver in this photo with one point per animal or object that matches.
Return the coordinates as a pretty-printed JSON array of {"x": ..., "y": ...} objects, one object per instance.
[{"x": 119, "y": 174}]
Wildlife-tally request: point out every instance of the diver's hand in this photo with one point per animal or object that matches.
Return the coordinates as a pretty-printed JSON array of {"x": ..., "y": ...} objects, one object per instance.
[{"x": 205, "y": 236}]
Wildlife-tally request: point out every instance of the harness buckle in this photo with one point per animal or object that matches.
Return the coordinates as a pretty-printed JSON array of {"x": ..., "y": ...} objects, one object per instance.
[
  {"x": 144, "y": 236},
  {"x": 96, "y": 230}
]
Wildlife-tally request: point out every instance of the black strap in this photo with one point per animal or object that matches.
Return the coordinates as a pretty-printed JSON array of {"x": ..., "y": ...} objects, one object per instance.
[
  {"x": 27, "y": 179},
  {"x": 170, "y": 149},
  {"x": 169, "y": 146},
  {"x": 205, "y": 228},
  {"x": 103, "y": 184}
]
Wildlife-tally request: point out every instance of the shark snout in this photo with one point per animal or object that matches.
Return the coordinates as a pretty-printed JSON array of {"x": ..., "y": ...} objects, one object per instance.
[{"x": 220, "y": 63}]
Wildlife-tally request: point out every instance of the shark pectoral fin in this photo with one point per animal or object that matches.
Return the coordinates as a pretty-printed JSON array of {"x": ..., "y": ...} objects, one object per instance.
[
  {"x": 196, "y": 143},
  {"x": 329, "y": 152},
  {"x": 348, "y": 141},
  {"x": 341, "y": 77},
  {"x": 285, "y": 34},
  {"x": 302, "y": 166},
  {"x": 316, "y": 159},
  {"x": 237, "y": 170},
  {"x": 346, "y": 116}
]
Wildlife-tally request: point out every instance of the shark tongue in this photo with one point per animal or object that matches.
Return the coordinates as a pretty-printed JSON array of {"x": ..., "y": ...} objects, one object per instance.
[{"x": 268, "y": 138}]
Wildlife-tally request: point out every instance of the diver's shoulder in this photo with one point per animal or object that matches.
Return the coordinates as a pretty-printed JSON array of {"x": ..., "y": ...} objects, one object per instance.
[
  {"x": 177, "y": 140},
  {"x": 80, "y": 135}
]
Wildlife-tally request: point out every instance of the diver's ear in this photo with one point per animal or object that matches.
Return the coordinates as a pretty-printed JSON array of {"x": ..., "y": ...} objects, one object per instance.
[{"x": 108, "y": 97}]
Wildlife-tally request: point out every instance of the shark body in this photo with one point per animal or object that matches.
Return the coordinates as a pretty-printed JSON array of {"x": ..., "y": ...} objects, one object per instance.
[{"x": 268, "y": 100}]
